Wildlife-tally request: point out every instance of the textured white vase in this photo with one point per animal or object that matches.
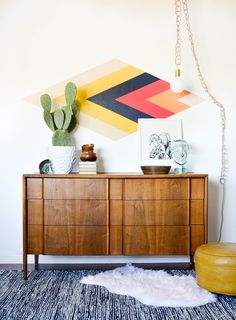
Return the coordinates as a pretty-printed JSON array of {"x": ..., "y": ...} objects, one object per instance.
[{"x": 61, "y": 158}]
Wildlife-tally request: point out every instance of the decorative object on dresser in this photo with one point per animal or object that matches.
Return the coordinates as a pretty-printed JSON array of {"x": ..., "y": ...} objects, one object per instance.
[
  {"x": 155, "y": 169},
  {"x": 61, "y": 121},
  {"x": 88, "y": 157},
  {"x": 180, "y": 151},
  {"x": 87, "y": 167},
  {"x": 87, "y": 153},
  {"x": 61, "y": 158},
  {"x": 155, "y": 140},
  {"x": 44, "y": 166},
  {"x": 113, "y": 214}
]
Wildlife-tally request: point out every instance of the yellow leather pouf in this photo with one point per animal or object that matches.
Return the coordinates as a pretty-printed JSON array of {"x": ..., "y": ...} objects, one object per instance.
[{"x": 215, "y": 266}]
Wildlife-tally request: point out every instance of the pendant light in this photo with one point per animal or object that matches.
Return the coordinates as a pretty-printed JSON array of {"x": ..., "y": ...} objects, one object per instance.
[{"x": 177, "y": 86}]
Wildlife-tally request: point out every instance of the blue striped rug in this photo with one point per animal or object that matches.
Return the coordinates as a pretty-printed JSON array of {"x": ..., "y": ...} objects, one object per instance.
[{"x": 59, "y": 295}]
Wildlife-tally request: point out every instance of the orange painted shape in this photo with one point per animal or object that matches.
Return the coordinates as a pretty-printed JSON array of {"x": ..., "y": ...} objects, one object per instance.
[{"x": 169, "y": 100}]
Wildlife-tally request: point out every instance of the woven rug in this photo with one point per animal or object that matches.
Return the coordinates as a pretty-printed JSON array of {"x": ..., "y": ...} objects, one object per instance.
[{"x": 60, "y": 295}]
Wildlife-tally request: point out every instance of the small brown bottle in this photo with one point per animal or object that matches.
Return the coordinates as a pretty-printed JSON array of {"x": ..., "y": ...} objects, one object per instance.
[{"x": 87, "y": 153}]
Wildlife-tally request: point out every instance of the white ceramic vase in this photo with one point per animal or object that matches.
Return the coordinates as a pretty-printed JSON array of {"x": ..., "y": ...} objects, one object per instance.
[{"x": 61, "y": 158}]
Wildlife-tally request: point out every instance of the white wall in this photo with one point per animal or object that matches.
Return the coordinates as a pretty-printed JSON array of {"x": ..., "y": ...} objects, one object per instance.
[{"x": 44, "y": 42}]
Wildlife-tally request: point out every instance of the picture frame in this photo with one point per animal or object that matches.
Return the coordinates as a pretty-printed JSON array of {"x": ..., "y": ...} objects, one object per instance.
[{"x": 155, "y": 140}]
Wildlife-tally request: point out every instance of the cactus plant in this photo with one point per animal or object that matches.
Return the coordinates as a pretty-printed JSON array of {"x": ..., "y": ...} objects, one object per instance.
[{"x": 63, "y": 120}]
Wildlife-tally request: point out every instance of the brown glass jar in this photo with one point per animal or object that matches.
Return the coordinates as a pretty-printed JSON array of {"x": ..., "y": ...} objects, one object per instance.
[{"x": 87, "y": 153}]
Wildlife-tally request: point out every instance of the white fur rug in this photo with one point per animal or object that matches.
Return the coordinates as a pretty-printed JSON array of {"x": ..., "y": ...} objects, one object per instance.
[{"x": 156, "y": 288}]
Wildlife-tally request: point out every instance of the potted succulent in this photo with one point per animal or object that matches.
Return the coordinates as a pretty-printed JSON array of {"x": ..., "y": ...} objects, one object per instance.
[{"x": 61, "y": 121}]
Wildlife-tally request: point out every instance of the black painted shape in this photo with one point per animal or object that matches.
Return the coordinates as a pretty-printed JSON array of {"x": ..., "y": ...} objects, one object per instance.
[{"x": 107, "y": 98}]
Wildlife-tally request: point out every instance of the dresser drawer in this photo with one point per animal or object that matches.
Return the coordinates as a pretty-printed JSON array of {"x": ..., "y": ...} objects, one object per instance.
[
  {"x": 35, "y": 239},
  {"x": 154, "y": 189},
  {"x": 156, "y": 212},
  {"x": 75, "y": 188},
  {"x": 34, "y": 188},
  {"x": 75, "y": 240},
  {"x": 197, "y": 188},
  {"x": 35, "y": 212},
  {"x": 197, "y": 237},
  {"x": 76, "y": 212},
  {"x": 197, "y": 211},
  {"x": 152, "y": 240}
]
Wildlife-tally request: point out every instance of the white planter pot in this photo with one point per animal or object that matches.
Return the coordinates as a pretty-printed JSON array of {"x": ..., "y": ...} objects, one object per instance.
[{"x": 61, "y": 158}]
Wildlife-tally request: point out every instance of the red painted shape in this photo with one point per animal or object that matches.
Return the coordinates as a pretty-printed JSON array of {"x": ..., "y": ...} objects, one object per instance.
[{"x": 137, "y": 99}]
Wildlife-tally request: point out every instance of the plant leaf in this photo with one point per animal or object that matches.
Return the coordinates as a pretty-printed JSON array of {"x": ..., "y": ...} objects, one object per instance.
[
  {"x": 75, "y": 107},
  {"x": 48, "y": 118},
  {"x": 70, "y": 93},
  {"x": 59, "y": 118},
  {"x": 73, "y": 123},
  {"x": 46, "y": 102},
  {"x": 68, "y": 115}
]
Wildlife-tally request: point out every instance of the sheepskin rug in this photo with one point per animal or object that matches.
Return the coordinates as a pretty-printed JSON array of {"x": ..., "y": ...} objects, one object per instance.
[{"x": 156, "y": 288}]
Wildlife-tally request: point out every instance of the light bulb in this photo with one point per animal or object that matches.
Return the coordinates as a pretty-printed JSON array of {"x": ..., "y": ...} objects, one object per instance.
[{"x": 177, "y": 84}]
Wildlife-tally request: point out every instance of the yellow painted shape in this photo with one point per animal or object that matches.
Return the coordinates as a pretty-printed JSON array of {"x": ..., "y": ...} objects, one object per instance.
[
  {"x": 101, "y": 127},
  {"x": 104, "y": 83},
  {"x": 169, "y": 100},
  {"x": 107, "y": 116}
]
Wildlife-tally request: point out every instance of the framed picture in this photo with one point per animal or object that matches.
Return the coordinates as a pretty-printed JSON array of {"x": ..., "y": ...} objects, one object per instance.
[{"x": 155, "y": 140}]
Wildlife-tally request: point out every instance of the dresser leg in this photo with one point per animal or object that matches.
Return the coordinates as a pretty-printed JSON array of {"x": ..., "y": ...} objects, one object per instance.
[
  {"x": 36, "y": 262},
  {"x": 25, "y": 271},
  {"x": 191, "y": 261}
]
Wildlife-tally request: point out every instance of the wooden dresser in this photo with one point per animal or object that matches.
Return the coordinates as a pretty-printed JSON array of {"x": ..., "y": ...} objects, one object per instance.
[{"x": 113, "y": 214}]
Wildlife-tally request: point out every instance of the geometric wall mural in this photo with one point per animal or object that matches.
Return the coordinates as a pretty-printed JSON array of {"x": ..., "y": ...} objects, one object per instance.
[{"x": 114, "y": 95}]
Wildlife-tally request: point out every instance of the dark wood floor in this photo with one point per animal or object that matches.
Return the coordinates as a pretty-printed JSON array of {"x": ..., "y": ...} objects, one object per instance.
[{"x": 107, "y": 266}]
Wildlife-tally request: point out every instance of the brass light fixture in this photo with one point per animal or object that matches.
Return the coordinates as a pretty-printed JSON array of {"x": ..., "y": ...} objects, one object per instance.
[{"x": 177, "y": 84}]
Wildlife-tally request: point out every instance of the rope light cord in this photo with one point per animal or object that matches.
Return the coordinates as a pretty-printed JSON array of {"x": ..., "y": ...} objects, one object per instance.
[
  {"x": 178, "y": 9},
  {"x": 178, "y": 39}
]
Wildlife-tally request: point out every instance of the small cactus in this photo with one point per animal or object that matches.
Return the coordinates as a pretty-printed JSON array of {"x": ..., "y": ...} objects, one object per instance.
[{"x": 63, "y": 120}]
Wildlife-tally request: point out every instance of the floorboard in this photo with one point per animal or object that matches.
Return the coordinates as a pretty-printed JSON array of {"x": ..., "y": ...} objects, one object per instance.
[{"x": 60, "y": 266}]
